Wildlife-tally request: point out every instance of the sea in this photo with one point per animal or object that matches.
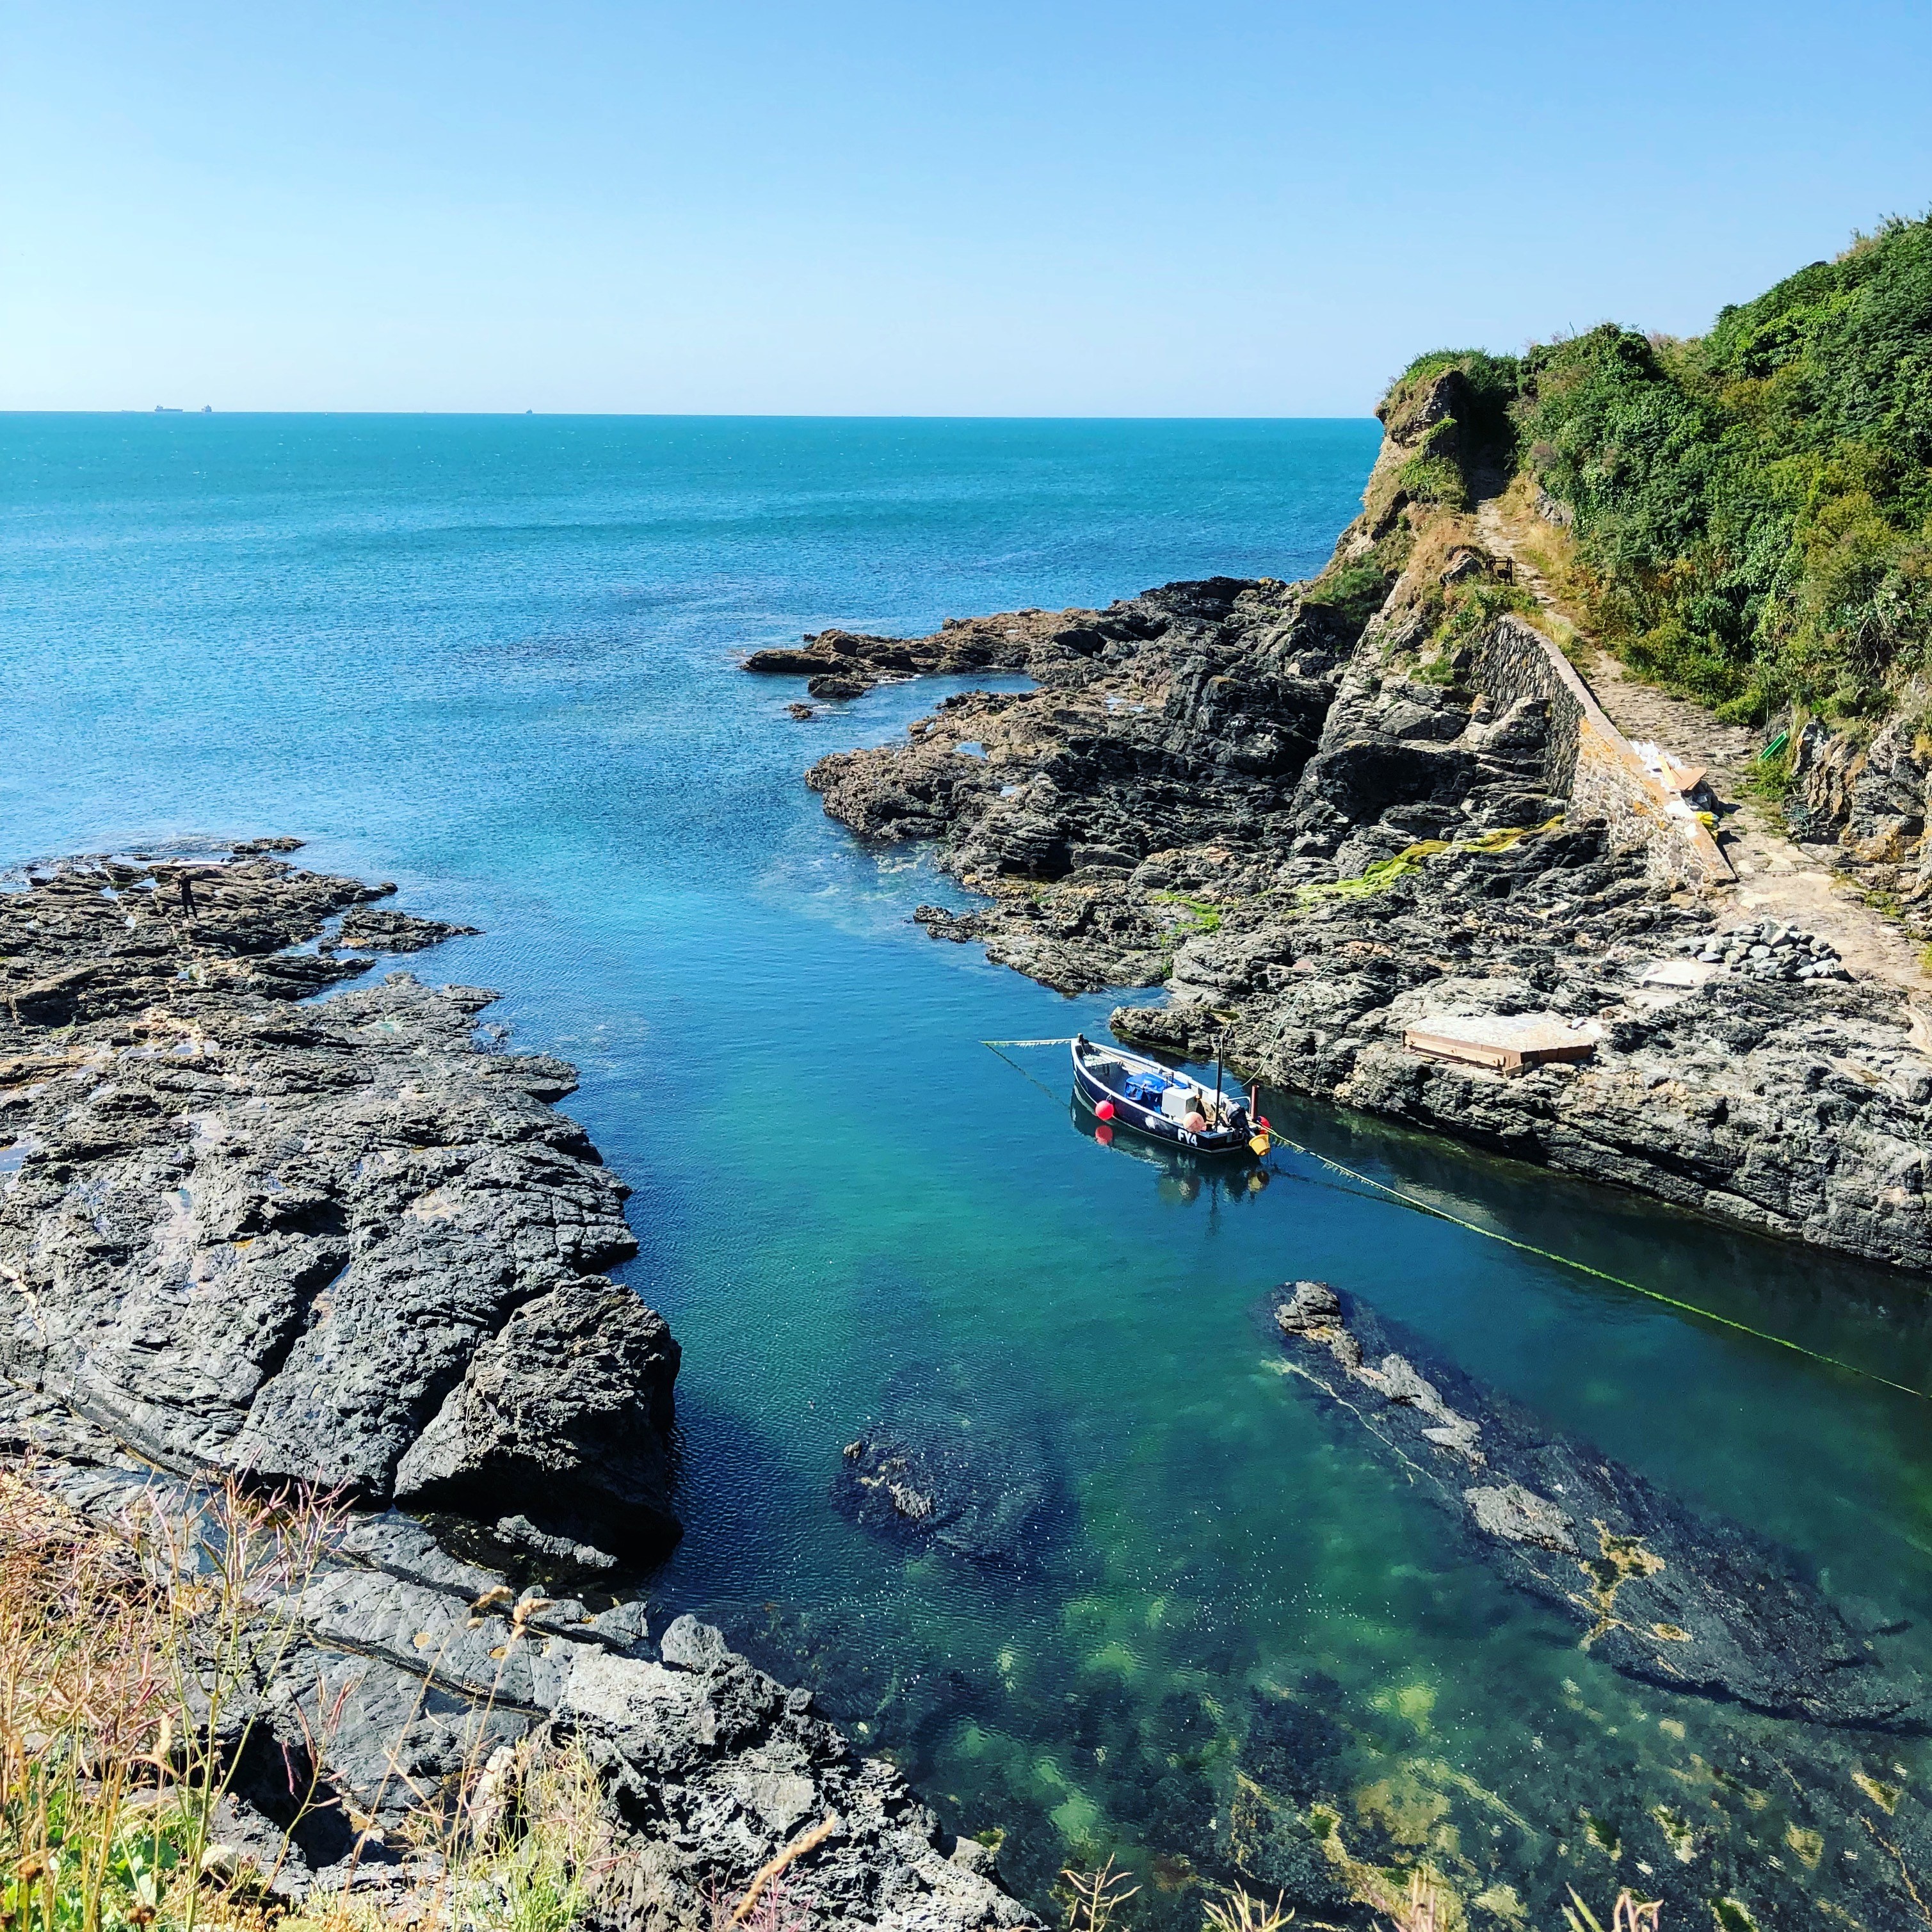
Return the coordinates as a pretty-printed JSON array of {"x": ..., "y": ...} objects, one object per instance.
[{"x": 497, "y": 660}]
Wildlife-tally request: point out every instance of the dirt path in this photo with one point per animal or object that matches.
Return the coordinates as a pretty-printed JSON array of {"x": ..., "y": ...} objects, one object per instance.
[{"x": 1778, "y": 877}]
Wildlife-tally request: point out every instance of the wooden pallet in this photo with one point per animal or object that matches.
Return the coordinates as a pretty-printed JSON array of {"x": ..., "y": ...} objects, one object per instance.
[{"x": 1507, "y": 1044}]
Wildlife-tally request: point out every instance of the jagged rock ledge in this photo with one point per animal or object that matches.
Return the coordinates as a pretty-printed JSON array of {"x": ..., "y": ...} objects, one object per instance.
[
  {"x": 400, "y": 1676},
  {"x": 334, "y": 1242}
]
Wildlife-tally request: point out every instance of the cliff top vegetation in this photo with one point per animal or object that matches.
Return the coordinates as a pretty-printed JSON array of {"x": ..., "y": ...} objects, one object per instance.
[{"x": 1750, "y": 510}]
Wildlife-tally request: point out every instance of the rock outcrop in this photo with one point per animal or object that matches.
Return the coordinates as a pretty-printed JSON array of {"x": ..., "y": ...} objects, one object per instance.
[
  {"x": 848, "y": 664},
  {"x": 1688, "y": 1604},
  {"x": 401, "y": 1678},
  {"x": 1867, "y": 794},
  {"x": 1797, "y": 1107},
  {"x": 1323, "y": 814},
  {"x": 333, "y": 1243}
]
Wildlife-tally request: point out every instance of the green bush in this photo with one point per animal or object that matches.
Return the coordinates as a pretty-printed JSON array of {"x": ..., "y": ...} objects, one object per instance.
[
  {"x": 1355, "y": 591},
  {"x": 1435, "y": 479},
  {"x": 1755, "y": 507},
  {"x": 1471, "y": 607}
]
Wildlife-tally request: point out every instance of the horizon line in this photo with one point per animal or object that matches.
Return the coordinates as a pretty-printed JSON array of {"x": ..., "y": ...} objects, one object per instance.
[{"x": 670, "y": 415}]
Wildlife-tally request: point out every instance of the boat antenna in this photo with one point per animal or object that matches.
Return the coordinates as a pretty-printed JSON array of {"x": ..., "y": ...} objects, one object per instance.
[{"x": 1218, "y": 1039}]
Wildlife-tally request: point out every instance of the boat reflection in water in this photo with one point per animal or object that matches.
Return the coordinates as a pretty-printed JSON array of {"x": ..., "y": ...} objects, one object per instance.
[{"x": 1184, "y": 1175}]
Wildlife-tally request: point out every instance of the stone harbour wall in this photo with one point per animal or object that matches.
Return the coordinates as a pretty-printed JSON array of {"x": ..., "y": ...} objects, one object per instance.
[{"x": 1593, "y": 760}]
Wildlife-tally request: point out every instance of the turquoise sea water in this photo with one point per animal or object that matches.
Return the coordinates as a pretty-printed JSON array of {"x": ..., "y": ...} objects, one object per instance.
[{"x": 495, "y": 660}]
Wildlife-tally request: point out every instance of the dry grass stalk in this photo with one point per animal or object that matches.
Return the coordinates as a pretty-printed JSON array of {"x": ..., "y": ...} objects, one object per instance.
[
  {"x": 1628, "y": 1915},
  {"x": 531, "y": 1847},
  {"x": 787, "y": 1855},
  {"x": 124, "y": 1649},
  {"x": 1241, "y": 1911},
  {"x": 778, "y": 1908},
  {"x": 129, "y": 1654},
  {"x": 1424, "y": 1913},
  {"x": 1093, "y": 1900}
]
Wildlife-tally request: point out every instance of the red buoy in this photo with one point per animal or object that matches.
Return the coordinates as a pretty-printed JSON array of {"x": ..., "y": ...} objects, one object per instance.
[
  {"x": 1260, "y": 1123},
  {"x": 1105, "y": 1110}
]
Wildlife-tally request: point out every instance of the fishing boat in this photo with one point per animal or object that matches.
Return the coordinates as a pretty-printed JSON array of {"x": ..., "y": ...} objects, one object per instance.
[{"x": 1126, "y": 1089}]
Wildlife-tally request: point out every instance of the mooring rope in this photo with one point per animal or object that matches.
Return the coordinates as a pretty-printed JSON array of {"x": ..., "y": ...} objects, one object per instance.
[
  {"x": 996, "y": 1044},
  {"x": 1422, "y": 1207}
]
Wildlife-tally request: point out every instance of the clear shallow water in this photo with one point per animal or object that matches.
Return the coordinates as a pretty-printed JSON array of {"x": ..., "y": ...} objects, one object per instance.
[{"x": 494, "y": 659}]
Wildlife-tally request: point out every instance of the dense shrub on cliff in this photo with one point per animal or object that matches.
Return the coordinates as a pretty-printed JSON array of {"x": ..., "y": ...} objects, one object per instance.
[{"x": 1752, "y": 508}]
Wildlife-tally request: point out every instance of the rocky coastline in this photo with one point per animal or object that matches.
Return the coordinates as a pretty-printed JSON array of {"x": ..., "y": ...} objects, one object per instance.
[
  {"x": 348, "y": 1244},
  {"x": 1324, "y": 816},
  {"x": 348, "y": 1247}
]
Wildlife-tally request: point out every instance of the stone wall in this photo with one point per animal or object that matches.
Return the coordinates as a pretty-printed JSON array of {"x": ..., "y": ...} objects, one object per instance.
[
  {"x": 1511, "y": 662},
  {"x": 1592, "y": 759}
]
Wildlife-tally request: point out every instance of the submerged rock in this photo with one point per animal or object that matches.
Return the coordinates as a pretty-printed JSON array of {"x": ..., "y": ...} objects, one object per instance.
[
  {"x": 1690, "y": 1602},
  {"x": 1337, "y": 1802},
  {"x": 928, "y": 1474}
]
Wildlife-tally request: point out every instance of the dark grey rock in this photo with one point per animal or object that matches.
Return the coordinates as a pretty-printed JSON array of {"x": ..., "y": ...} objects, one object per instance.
[
  {"x": 1688, "y": 1603},
  {"x": 312, "y": 1242},
  {"x": 691, "y": 1645},
  {"x": 381, "y": 930},
  {"x": 563, "y": 1412},
  {"x": 558, "y": 1553}
]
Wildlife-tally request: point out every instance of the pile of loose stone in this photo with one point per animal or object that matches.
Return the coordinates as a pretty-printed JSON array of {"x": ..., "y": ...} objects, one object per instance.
[{"x": 1769, "y": 950}]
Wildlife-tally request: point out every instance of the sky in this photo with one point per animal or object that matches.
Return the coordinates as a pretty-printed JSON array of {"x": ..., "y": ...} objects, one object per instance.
[{"x": 1058, "y": 208}]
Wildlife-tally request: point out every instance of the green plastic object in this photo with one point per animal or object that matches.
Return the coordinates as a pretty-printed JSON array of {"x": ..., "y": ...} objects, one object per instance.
[{"x": 1777, "y": 744}]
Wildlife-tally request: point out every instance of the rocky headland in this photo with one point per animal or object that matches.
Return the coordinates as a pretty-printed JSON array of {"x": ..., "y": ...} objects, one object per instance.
[
  {"x": 1326, "y": 815},
  {"x": 347, "y": 1247}
]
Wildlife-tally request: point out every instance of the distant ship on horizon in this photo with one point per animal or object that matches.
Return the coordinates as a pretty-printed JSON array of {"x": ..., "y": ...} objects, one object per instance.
[{"x": 172, "y": 410}]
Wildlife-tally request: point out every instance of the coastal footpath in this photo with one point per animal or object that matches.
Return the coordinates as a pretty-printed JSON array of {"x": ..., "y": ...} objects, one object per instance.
[
  {"x": 1331, "y": 816},
  {"x": 347, "y": 1247}
]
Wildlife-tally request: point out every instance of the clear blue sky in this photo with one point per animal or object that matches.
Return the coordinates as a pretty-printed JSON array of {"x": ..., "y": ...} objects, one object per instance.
[{"x": 1058, "y": 208}]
